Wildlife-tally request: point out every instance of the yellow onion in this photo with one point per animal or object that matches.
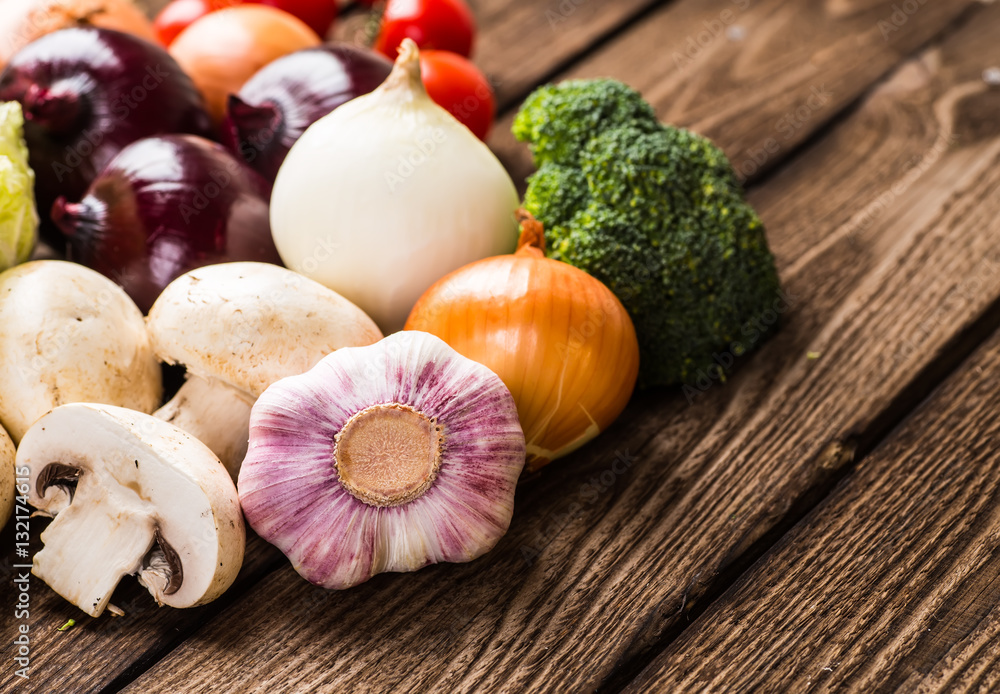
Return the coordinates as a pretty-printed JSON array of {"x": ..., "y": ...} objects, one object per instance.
[
  {"x": 23, "y": 21},
  {"x": 560, "y": 341},
  {"x": 223, "y": 49}
]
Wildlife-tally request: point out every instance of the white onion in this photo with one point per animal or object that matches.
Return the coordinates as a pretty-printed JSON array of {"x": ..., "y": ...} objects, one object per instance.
[{"x": 389, "y": 193}]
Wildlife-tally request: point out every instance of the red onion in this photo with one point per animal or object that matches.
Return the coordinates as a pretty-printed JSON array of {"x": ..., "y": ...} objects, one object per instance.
[
  {"x": 284, "y": 98},
  {"x": 163, "y": 206},
  {"x": 86, "y": 94}
]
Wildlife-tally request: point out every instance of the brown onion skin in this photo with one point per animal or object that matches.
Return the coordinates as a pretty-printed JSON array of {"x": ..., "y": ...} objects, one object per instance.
[
  {"x": 558, "y": 338},
  {"x": 285, "y": 97},
  {"x": 164, "y": 206},
  {"x": 86, "y": 94}
]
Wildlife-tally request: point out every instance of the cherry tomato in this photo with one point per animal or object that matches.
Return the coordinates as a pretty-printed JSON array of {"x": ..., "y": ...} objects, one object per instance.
[
  {"x": 318, "y": 14},
  {"x": 175, "y": 17},
  {"x": 460, "y": 88},
  {"x": 445, "y": 25}
]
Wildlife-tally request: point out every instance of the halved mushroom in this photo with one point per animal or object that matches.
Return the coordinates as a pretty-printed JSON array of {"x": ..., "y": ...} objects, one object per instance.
[
  {"x": 7, "y": 482},
  {"x": 69, "y": 334},
  {"x": 238, "y": 328},
  {"x": 131, "y": 494}
]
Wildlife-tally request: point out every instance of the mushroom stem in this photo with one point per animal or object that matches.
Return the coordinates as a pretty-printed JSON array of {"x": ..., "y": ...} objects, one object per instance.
[
  {"x": 216, "y": 414},
  {"x": 70, "y": 542}
]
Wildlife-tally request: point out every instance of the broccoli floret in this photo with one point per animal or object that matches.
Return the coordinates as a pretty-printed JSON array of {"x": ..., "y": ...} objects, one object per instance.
[
  {"x": 558, "y": 192},
  {"x": 558, "y": 120},
  {"x": 658, "y": 216}
]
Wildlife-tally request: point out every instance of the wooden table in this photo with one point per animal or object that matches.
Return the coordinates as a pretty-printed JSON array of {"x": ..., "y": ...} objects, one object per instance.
[{"x": 826, "y": 519}]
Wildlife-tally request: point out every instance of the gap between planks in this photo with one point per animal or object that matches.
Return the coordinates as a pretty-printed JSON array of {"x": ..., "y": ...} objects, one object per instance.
[
  {"x": 938, "y": 348},
  {"x": 889, "y": 585},
  {"x": 775, "y": 159}
]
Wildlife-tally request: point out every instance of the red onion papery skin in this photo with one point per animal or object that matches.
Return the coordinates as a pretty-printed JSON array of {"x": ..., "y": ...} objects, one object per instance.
[
  {"x": 285, "y": 97},
  {"x": 86, "y": 94},
  {"x": 163, "y": 206}
]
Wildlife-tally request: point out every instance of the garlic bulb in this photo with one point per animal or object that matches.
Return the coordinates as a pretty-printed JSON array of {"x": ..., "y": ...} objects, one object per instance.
[
  {"x": 383, "y": 458},
  {"x": 387, "y": 194}
]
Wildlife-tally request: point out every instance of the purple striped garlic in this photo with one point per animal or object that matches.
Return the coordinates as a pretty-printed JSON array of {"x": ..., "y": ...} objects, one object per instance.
[{"x": 383, "y": 458}]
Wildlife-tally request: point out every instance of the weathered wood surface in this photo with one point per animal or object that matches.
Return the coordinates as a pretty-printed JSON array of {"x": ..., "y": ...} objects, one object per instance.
[
  {"x": 580, "y": 586},
  {"x": 521, "y": 42},
  {"x": 98, "y": 653},
  {"x": 95, "y": 653},
  {"x": 892, "y": 584},
  {"x": 878, "y": 231},
  {"x": 757, "y": 76}
]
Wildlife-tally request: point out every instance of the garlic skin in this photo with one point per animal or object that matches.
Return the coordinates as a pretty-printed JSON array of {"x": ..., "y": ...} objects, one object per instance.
[
  {"x": 387, "y": 194},
  {"x": 383, "y": 458}
]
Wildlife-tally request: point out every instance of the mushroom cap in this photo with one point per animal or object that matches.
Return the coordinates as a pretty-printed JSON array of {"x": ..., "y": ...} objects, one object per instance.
[
  {"x": 69, "y": 334},
  {"x": 250, "y": 324},
  {"x": 7, "y": 482},
  {"x": 131, "y": 494}
]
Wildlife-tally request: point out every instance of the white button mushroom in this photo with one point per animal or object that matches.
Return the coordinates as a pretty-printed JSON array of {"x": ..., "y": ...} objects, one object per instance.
[
  {"x": 238, "y": 328},
  {"x": 7, "y": 482},
  {"x": 69, "y": 334},
  {"x": 131, "y": 494}
]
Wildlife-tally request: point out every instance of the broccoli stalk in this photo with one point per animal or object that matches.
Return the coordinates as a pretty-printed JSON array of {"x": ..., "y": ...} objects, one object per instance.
[{"x": 657, "y": 214}]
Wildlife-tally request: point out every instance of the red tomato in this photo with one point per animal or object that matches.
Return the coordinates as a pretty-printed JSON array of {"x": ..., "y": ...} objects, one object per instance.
[
  {"x": 445, "y": 25},
  {"x": 459, "y": 87},
  {"x": 318, "y": 14},
  {"x": 175, "y": 17}
]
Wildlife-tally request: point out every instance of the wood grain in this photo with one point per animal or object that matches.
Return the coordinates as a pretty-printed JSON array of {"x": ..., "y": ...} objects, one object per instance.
[
  {"x": 519, "y": 43},
  {"x": 96, "y": 652},
  {"x": 757, "y": 76},
  {"x": 891, "y": 585},
  {"x": 878, "y": 232}
]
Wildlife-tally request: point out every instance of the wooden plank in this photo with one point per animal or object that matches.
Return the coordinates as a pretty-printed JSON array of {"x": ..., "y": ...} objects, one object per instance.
[
  {"x": 972, "y": 664},
  {"x": 757, "y": 76},
  {"x": 96, "y": 652},
  {"x": 523, "y": 41},
  {"x": 892, "y": 583},
  {"x": 612, "y": 546},
  {"x": 520, "y": 42}
]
